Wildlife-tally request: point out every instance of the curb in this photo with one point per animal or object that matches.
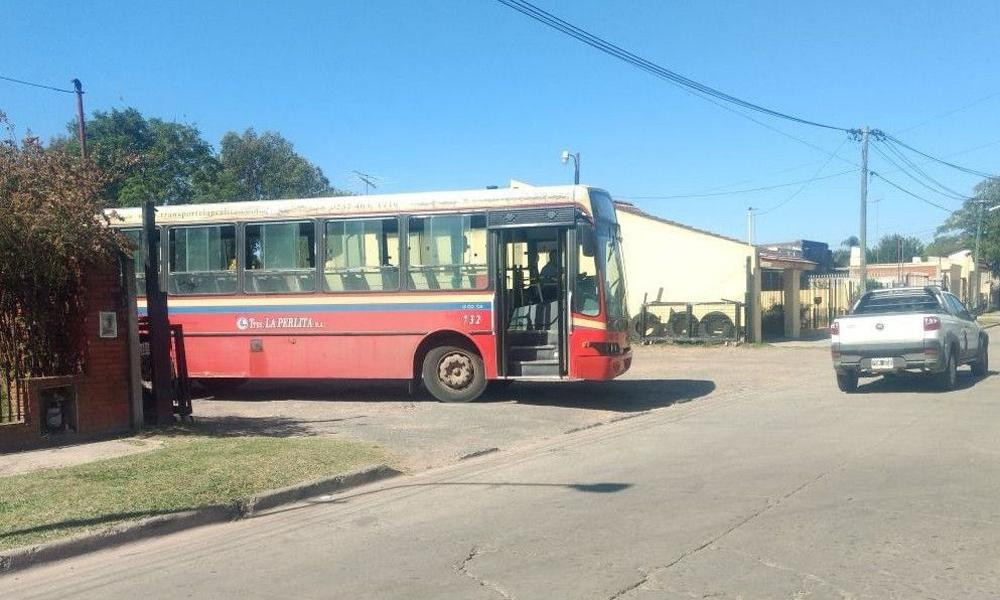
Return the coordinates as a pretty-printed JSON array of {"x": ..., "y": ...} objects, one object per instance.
[
  {"x": 28, "y": 556},
  {"x": 328, "y": 485}
]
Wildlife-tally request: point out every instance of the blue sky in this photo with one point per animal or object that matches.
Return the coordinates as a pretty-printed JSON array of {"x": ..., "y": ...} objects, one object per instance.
[{"x": 446, "y": 94}]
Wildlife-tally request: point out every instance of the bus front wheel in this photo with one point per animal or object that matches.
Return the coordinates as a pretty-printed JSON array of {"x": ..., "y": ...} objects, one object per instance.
[{"x": 454, "y": 374}]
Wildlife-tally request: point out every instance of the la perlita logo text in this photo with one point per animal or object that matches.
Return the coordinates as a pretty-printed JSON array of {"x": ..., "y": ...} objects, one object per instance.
[{"x": 247, "y": 323}]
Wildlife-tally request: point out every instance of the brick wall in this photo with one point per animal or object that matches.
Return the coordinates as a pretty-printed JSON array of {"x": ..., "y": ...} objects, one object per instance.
[{"x": 102, "y": 390}]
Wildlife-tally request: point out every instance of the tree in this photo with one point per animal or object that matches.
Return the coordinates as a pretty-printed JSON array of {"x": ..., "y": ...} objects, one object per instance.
[
  {"x": 51, "y": 229},
  {"x": 895, "y": 248},
  {"x": 266, "y": 167},
  {"x": 171, "y": 163},
  {"x": 945, "y": 245},
  {"x": 962, "y": 224},
  {"x": 842, "y": 255}
]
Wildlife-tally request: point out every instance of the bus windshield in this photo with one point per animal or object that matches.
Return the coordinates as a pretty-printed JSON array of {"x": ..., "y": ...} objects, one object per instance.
[{"x": 614, "y": 280}]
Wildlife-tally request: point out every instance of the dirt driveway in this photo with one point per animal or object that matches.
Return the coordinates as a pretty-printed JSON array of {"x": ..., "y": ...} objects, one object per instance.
[{"x": 423, "y": 433}]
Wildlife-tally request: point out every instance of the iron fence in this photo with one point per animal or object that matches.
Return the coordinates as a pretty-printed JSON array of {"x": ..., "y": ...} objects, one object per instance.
[{"x": 12, "y": 410}]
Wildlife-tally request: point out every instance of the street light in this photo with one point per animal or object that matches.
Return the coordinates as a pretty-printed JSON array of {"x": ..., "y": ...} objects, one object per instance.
[{"x": 566, "y": 155}]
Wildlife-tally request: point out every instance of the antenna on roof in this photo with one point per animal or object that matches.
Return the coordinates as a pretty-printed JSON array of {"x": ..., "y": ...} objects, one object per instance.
[{"x": 368, "y": 180}]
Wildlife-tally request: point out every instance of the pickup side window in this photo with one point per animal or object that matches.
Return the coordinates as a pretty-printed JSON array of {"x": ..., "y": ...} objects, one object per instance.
[
  {"x": 885, "y": 303},
  {"x": 957, "y": 308}
]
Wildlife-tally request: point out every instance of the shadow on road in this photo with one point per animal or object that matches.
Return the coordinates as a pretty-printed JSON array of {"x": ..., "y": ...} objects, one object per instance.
[
  {"x": 625, "y": 395},
  {"x": 236, "y": 426},
  {"x": 916, "y": 383},
  {"x": 606, "y": 487},
  {"x": 103, "y": 519}
]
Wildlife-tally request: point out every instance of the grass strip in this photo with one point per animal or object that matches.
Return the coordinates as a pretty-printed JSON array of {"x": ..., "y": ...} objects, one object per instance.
[{"x": 188, "y": 472}]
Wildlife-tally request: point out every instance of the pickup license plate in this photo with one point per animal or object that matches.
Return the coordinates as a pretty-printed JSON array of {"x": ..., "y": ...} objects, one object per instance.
[{"x": 882, "y": 364}]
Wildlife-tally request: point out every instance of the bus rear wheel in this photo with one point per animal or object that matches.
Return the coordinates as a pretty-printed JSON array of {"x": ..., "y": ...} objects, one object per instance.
[{"x": 453, "y": 374}]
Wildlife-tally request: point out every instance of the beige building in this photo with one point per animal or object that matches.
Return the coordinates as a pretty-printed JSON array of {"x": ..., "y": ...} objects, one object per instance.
[
  {"x": 956, "y": 273},
  {"x": 670, "y": 262}
]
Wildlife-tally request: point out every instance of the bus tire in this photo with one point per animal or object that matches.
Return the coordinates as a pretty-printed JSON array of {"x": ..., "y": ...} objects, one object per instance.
[{"x": 453, "y": 374}]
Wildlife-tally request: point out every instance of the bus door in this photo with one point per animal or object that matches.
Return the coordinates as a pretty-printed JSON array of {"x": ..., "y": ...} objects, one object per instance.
[{"x": 532, "y": 301}]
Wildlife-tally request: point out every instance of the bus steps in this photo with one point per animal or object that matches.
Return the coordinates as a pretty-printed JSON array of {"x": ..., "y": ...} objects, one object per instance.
[
  {"x": 529, "y": 353},
  {"x": 534, "y": 368}
]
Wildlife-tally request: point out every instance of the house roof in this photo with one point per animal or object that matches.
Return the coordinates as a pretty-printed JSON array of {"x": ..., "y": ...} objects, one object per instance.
[
  {"x": 777, "y": 260},
  {"x": 634, "y": 210}
]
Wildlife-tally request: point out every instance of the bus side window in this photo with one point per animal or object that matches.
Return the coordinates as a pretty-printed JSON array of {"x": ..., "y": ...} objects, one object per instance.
[
  {"x": 447, "y": 252},
  {"x": 280, "y": 258},
  {"x": 362, "y": 255},
  {"x": 138, "y": 260},
  {"x": 203, "y": 260}
]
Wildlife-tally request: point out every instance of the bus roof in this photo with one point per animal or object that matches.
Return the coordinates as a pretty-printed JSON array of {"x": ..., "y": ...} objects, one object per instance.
[{"x": 300, "y": 208}]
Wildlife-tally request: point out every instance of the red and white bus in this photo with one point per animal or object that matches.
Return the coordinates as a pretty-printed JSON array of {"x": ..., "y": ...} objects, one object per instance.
[{"x": 454, "y": 289}]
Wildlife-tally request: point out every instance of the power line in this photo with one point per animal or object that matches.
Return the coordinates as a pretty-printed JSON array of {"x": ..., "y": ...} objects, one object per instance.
[
  {"x": 758, "y": 177},
  {"x": 806, "y": 184},
  {"x": 909, "y": 193},
  {"x": 546, "y": 18},
  {"x": 916, "y": 167},
  {"x": 744, "y": 191},
  {"x": 37, "y": 85},
  {"x": 899, "y": 142},
  {"x": 905, "y": 171},
  {"x": 951, "y": 112}
]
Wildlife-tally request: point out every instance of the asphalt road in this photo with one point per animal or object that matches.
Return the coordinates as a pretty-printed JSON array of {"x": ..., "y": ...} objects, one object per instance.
[{"x": 783, "y": 488}]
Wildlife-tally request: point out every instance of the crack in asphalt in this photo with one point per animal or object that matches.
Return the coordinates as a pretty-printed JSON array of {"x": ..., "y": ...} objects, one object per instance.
[
  {"x": 770, "y": 505},
  {"x": 633, "y": 586},
  {"x": 463, "y": 568},
  {"x": 616, "y": 419},
  {"x": 844, "y": 594}
]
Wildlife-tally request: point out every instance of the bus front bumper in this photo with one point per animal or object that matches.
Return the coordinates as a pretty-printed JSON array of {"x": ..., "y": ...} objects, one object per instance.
[{"x": 603, "y": 367}]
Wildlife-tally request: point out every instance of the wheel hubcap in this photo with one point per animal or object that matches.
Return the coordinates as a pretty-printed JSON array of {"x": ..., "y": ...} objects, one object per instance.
[{"x": 455, "y": 371}]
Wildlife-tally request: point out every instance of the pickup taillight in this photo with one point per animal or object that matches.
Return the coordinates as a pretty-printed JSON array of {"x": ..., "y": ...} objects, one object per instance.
[
  {"x": 835, "y": 328},
  {"x": 932, "y": 323}
]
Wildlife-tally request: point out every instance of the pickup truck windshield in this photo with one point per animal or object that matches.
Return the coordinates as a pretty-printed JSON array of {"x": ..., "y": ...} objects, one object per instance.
[{"x": 898, "y": 303}]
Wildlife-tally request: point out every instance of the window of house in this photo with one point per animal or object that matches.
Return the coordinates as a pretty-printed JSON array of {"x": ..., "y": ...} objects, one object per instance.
[
  {"x": 361, "y": 255},
  {"x": 447, "y": 252},
  {"x": 280, "y": 258},
  {"x": 202, "y": 260}
]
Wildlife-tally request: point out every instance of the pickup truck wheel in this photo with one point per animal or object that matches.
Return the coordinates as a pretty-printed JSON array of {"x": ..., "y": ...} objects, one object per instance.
[
  {"x": 947, "y": 379},
  {"x": 981, "y": 367},
  {"x": 847, "y": 382}
]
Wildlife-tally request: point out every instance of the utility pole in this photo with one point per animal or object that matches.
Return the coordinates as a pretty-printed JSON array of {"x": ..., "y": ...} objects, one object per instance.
[
  {"x": 750, "y": 226},
  {"x": 159, "y": 327},
  {"x": 899, "y": 258},
  {"x": 975, "y": 258},
  {"x": 81, "y": 128},
  {"x": 368, "y": 180},
  {"x": 864, "y": 209}
]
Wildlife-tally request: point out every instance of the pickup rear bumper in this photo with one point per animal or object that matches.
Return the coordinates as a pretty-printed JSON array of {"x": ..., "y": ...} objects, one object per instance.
[{"x": 924, "y": 356}]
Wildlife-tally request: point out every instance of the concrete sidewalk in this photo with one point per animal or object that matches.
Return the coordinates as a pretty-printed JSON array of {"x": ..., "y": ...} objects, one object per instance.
[{"x": 16, "y": 463}]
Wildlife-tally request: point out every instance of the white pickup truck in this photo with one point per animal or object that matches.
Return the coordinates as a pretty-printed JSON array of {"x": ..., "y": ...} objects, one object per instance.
[{"x": 922, "y": 329}]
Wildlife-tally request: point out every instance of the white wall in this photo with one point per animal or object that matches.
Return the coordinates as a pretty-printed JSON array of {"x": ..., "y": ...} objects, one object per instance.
[{"x": 690, "y": 266}]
